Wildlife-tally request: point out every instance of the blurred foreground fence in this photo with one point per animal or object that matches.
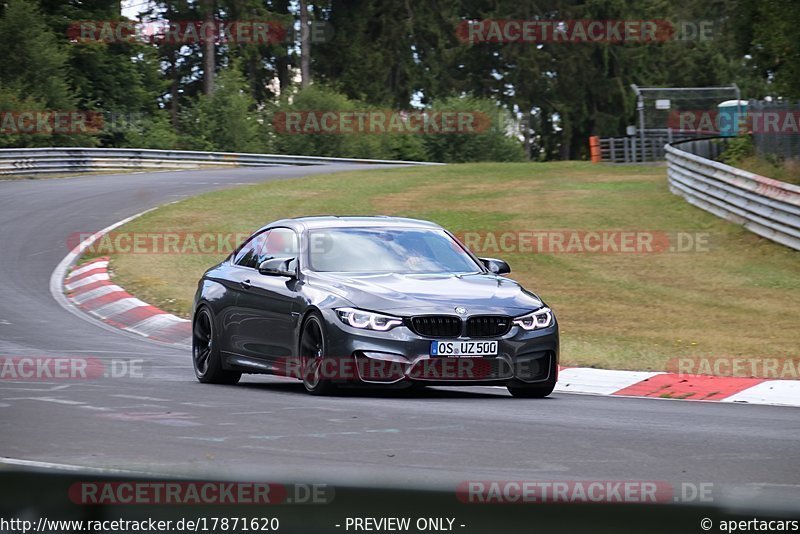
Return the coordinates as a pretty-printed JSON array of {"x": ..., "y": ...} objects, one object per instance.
[
  {"x": 764, "y": 206},
  {"x": 27, "y": 161}
]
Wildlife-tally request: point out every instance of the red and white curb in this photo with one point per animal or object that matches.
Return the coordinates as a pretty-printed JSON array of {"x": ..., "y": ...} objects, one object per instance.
[
  {"x": 679, "y": 386},
  {"x": 89, "y": 287}
]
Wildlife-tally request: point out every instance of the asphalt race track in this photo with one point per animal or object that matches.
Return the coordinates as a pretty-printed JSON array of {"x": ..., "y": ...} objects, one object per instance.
[{"x": 268, "y": 427}]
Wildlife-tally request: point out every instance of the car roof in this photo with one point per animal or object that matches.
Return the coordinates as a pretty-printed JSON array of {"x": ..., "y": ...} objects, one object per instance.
[{"x": 341, "y": 221}]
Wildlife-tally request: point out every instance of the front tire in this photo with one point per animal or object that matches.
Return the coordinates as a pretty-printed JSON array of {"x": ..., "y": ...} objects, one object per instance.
[
  {"x": 312, "y": 355},
  {"x": 206, "y": 359},
  {"x": 531, "y": 391}
]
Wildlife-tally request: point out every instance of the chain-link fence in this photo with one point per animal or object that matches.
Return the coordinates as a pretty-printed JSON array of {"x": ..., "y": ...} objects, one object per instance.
[
  {"x": 684, "y": 111},
  {"x": 669, "y": 114},
  {"x": 775, "y": 127}
]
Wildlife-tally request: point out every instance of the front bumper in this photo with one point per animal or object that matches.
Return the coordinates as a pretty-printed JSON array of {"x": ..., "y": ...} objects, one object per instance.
[{"x": 400, "y": 356}]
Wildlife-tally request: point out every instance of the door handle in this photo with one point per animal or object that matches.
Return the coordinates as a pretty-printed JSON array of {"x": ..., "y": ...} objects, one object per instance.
[{"x": 245, "y": 284}]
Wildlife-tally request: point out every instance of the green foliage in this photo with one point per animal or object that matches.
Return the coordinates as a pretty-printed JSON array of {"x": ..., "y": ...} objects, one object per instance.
[
  {"x": 225, "y": 120},
  {"x": 10, "y": 103},
  {"x": 738, "y": 149},
  {"x": 370, "y": 56},
  {"x": 491, "y": 144},
  {"x": 318, "y": 98},
  {"x": 152, "y": 131},
  {"x": 388, "y": 54},
  {"x": 32, "y": 64},
  {"x": 769, "y": 31}
]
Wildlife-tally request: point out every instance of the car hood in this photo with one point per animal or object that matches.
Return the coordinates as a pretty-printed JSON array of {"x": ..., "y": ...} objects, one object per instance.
[{"x": 408, "y": 294}]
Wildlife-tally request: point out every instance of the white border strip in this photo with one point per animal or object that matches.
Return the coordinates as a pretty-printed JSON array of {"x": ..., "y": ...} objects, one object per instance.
[
  {"x": 598, "y": 381},
  {"x": 779, "y": 392},
  {"x": 86, "y": 267}
]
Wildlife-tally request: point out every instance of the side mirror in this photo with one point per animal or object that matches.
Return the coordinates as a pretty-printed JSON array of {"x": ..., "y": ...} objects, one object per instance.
[
  {"x": 281, "y": 266},
  {"x": 496, "y": 266}
]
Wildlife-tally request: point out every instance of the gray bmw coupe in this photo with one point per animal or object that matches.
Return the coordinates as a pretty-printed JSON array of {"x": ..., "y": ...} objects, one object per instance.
[{"x": 384, "y": 301}]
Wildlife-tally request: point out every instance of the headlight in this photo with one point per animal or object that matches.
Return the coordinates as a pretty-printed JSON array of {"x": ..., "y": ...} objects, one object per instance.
[
  {"x": 367, "y": 320},
  {"x": 541, "y": 318}
]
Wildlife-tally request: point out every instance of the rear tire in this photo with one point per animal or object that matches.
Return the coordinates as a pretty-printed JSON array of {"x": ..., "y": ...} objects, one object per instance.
[
  {"x": 313, "y": 351},
  {"x": 206, "y": 359}
]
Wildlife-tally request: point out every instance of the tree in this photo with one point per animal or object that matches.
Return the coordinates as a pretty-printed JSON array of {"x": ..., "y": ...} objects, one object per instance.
[
  {"x": 305, "y": 46},
  {"x": 32, "y": 63},
  {"x": 370, "y": 57},
  {"x": 225, "y": 120},
  {"x": 209, "y": 47},
  {"x": 769, "y": 32}
]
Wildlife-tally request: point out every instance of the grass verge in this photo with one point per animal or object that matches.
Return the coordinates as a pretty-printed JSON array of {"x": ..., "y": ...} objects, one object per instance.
[{"x": 786, "y": 171}]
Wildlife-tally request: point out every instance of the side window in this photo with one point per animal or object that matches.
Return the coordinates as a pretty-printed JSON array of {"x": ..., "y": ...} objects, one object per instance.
[
  {"x": 280, "y": 242},
  {"x": 248, "y": 255}
]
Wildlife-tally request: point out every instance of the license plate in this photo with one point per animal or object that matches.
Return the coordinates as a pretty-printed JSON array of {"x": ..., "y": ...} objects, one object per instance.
[{"x": 464, "y": 349}]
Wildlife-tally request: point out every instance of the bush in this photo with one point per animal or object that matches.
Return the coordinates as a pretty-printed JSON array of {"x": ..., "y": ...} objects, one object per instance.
[
  {"x": 739, "y": 148},
  {"x": 318, "y": 98},
  {"x": 154, "y": 131},
  {"x": 226, "y": 120},
  {"x": 492, "y": 144}
]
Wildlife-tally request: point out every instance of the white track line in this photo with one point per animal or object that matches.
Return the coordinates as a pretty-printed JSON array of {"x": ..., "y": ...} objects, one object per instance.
[{"x": 69, "y": 467}]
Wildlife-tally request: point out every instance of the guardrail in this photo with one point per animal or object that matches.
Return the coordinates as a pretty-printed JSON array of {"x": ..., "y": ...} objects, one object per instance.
[
  {"x": 24, "y": 161},
  {"x": 764, "y": 206}
]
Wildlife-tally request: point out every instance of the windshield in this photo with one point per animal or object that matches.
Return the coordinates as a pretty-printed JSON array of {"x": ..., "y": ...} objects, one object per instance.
[{"x": 387, "y": 250}]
